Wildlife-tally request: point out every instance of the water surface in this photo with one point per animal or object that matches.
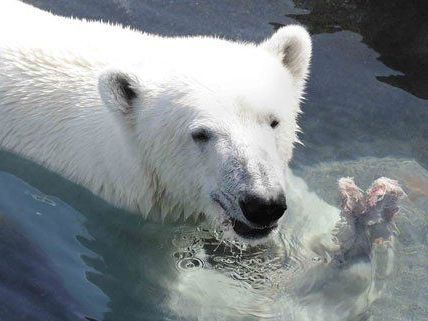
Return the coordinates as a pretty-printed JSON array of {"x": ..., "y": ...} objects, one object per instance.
[{"x": 71, "y": 256}]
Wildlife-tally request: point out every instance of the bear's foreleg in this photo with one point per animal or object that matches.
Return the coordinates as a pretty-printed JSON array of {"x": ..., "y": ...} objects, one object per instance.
[{"x": 366, "y": 230}]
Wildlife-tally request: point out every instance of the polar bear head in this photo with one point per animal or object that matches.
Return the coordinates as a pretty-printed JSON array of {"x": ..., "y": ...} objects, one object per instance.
[{"x": 213, "y": 124}]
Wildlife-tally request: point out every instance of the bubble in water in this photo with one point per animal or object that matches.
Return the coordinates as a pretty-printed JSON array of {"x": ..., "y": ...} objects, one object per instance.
[
  {"x": 259, "y": 267},
  {"x": 190, "y": 264}
]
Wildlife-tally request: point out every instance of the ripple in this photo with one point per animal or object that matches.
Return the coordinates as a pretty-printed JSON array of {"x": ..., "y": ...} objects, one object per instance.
[
  {"x": 42, "y": 198},
  {"x": 190, "y": 263},
  {"x": 257, "y": 267}
]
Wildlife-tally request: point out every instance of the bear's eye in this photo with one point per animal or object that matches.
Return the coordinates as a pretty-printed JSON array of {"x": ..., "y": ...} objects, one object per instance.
[
  {"x": 201, "y": 136},
  {"x": 274, "y": 123}
]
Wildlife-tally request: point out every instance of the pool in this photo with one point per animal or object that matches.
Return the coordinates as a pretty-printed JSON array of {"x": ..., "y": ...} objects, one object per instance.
[{"x": 68, "y": 255}]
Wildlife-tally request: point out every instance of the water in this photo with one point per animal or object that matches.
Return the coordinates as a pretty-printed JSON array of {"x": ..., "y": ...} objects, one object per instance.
[{"x": 71, "y": 256}]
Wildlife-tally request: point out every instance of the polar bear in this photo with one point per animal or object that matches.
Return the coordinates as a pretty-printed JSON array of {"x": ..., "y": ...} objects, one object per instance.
[
  {"x": 184, "y": 127},
  {"x": 158, "y": 126}
]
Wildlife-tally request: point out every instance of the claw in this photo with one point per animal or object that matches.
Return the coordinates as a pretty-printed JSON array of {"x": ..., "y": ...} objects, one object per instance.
[
  {"x": 352, "y": 197},
  {"x": 381, "y": 187}
]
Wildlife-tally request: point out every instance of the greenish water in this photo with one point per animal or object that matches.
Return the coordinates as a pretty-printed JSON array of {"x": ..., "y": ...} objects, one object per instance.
[{"x": 67, "y": 255}]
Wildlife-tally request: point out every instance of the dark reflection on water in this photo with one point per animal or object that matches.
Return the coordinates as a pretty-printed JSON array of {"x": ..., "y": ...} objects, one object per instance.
[
  {"x": 89, "y": 260},
  {"x": 396, "y": 29},
  {"x": 378, "y": 120},
  {"x": 27, "y": 275},
  {"x": 366, "y": 97}
]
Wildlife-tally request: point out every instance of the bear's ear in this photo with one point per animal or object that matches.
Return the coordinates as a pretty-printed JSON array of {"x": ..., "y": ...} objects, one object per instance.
[
  {"x": 119, "y": 91},
  {"x": 292, "y": 45}
]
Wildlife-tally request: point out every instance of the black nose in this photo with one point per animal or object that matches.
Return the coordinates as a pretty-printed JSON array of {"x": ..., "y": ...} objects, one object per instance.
[{"x": 263, "y": 212}]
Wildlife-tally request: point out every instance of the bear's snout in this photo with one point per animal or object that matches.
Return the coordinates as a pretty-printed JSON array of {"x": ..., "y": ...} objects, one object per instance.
[{"x": 263, "y": 212}]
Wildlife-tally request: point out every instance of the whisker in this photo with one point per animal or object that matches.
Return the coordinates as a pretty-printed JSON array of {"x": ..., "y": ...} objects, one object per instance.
[{"x": 227, "y": 197}]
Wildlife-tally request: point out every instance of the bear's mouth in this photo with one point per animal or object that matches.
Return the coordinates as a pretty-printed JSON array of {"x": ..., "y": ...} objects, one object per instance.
[
  {"x": 249, "y": 232},
  {"x": 244, "y": 230}
]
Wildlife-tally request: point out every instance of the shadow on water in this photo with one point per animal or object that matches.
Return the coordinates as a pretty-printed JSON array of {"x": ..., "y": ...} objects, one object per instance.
[
  {"x": 349, "y": 112},
  {"x": 30, "y": 286},
  {"x": 396, "y": 29},
  {"x": 58, "y": 253}
]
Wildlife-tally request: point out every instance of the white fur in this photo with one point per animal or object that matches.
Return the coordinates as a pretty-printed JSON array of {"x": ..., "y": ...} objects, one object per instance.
[{"x": 60, "y": 106}]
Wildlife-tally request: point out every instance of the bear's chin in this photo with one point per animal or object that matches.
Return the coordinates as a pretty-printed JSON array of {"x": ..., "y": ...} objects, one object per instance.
[{"x": 249, "y": 233}]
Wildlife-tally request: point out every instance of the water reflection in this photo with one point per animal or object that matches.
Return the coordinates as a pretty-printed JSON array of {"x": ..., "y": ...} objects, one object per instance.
[{"x": 396, "y": 29}]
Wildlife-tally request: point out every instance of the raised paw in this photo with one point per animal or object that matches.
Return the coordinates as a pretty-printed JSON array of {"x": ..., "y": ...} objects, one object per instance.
[
  {"x": 379, "y": 204},
  {"x": 368, "y": 216}
]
